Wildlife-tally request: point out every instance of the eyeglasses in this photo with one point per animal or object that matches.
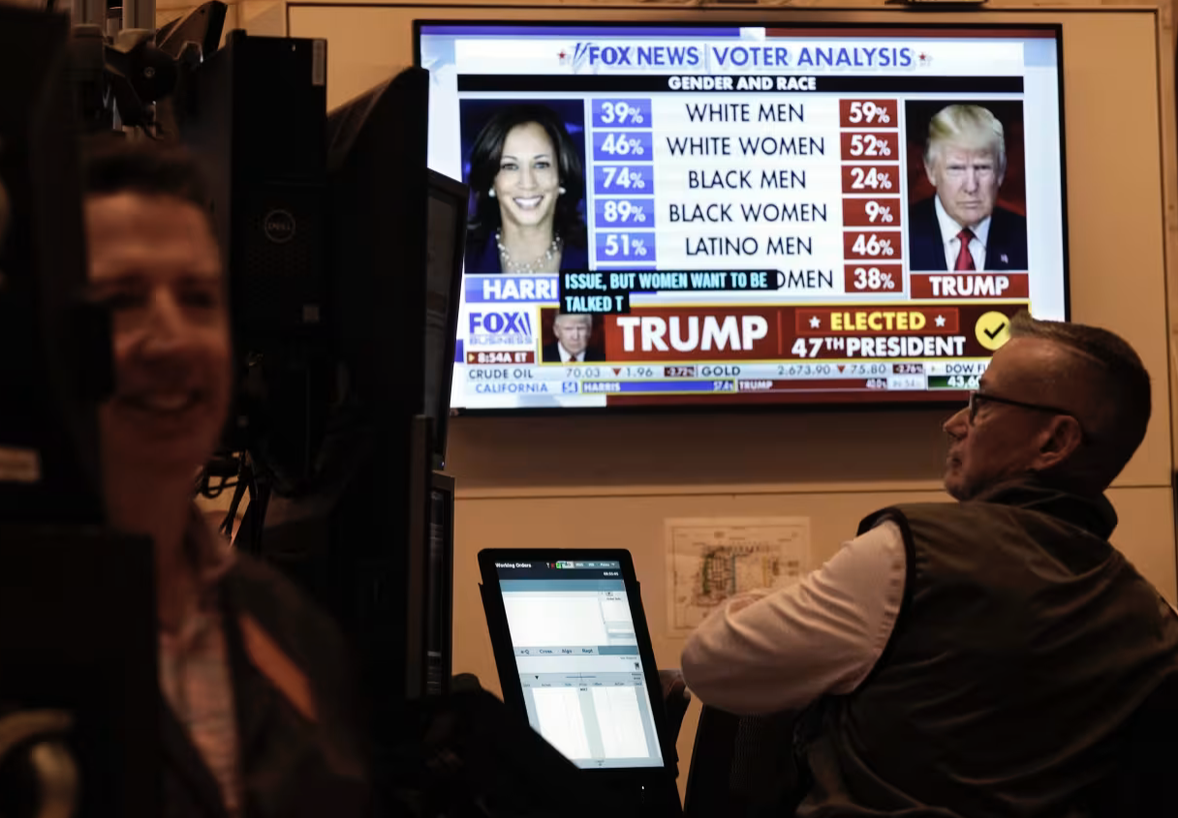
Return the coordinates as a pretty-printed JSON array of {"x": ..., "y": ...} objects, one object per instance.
[{"x": 976, "y": 399}]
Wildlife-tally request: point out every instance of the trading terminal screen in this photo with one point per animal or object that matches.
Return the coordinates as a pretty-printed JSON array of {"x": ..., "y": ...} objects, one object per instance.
[{"x": 579, "y": 665}]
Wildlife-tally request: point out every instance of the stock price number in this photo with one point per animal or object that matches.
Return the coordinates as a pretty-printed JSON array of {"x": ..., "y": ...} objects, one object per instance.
[
  {"x": 804, "y": 370},
  {"x": 640, "y": 372},
  {"x": 678, "y": 371},
  {"x": 868, "y": 369},
  {"x": 962, "y": 382},
  {"x": 578, "y": 372}
]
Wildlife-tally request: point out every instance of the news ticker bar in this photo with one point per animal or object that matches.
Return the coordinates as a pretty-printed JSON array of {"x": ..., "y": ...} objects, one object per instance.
[
  {"x": 698, "y": 379},
  {"x": 725, "y": 83}
]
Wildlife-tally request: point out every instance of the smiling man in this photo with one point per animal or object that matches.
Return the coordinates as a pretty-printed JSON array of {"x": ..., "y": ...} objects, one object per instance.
[
  {"x": 962, "y": 227},
  {"x": 256, "y": 718},
  {"x": 978, "y": 658}
]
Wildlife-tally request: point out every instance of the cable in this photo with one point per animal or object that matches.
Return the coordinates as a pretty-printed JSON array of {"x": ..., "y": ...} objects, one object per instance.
[{"x": 244, "y": 480}]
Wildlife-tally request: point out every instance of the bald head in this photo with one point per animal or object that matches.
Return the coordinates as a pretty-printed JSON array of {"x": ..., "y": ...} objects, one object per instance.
[
  {"x": 1100, "y": 379},
  {"x": 1065, "y": 401}
]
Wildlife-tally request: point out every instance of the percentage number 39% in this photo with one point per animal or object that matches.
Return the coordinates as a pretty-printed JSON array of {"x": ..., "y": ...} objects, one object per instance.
[{"x": 621, "y": 113}]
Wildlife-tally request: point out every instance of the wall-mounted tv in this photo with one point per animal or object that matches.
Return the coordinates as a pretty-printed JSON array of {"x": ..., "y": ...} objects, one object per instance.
[{"x": 715, "y": 215}]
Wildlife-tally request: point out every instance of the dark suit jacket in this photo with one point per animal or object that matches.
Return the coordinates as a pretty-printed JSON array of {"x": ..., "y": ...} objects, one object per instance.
[
  {"x": 551, "y": 354},
  {"x": 290, "y": 767},
  {"x": 1006, "y": 246}
]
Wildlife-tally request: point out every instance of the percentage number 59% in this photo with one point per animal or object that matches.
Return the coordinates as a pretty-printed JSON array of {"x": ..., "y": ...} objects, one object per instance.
[{"x": 868, "y": 113}]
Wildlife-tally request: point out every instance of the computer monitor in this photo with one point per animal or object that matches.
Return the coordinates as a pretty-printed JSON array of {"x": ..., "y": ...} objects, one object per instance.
[
  {"x": 379, "y": 189},
  {"x": 446, "y": 242},
  {"x": 575, "y": 661}
]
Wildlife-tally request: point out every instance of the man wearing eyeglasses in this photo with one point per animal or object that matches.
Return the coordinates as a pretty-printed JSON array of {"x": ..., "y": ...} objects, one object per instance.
[{"x": 979, "y": 658}]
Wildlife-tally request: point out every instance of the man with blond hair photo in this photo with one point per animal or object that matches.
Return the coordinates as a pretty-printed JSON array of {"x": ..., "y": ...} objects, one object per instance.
[{"x": 962, "y": 228}]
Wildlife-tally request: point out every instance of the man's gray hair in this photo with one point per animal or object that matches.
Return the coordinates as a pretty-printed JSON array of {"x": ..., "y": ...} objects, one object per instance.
[
  {"x": 1114, "y": 376},
  {"x": 588, "y": 318},
  {"x": 969, "y": 126}
]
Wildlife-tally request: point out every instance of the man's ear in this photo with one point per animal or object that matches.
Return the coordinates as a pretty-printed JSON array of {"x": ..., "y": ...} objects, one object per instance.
[{"x": 1058, "y": 441}]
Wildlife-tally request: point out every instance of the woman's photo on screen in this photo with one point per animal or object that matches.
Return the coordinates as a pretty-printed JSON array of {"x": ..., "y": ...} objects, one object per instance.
[{"x": 524, "y": 164}]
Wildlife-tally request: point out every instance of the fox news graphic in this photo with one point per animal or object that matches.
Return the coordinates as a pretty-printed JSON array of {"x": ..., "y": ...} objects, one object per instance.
[
  {"x": 713, "y": 215},
  {"x": 966, "y": 188}
]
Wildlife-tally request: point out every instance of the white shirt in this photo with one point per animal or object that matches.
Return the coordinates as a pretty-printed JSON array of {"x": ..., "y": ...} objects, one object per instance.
[
  {"x": 567, "y": 357},
  {"x": 949, "y": 230},
  {"x": 769, "y": 651}
]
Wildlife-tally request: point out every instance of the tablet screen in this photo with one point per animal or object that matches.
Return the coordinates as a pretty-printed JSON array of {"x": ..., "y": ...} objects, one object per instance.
[{"x": 577, "y": 656}]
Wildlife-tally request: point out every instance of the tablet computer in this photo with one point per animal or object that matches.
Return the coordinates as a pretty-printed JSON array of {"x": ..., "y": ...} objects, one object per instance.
[{"x": 574, "y": 657}]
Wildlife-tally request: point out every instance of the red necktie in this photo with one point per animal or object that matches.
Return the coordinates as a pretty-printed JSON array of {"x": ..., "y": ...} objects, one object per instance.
[{"x": 964, "y": 258}]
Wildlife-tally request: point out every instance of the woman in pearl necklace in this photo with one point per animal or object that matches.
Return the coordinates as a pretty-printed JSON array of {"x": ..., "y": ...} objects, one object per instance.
[{"x": 528, "y": 186}]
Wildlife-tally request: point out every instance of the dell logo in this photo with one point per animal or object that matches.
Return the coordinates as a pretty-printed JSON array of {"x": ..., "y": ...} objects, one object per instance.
[{"x": 279, "y": 226}]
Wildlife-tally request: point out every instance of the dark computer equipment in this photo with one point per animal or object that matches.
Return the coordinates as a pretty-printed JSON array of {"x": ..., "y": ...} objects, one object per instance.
[
  {"x": 379, "y": 193},
  {"x": 359, "y": 538},
  {"x": 439, "y": 602},
  {"x": 78, "y": 652},
  {"x": 446, "y": 243},
  {"x": 54, "y": 348},
  {"x": 468, "y": 755},
  {"x": 253, "y": 112},
  {"x": 379, "y": 189},
  {"x": 79, "y": 697}
]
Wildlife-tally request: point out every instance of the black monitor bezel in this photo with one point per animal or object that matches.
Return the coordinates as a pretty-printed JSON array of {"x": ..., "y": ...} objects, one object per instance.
[
  {"x": 460, "y": 195},
  {"x": 510, "y": 687},
  {"x": 909, "y": 401}
]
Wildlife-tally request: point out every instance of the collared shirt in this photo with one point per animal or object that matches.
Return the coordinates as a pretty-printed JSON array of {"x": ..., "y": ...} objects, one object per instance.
[
  {"x": 770, "y": 651},
  {"x": 949, "y": 230},
  {"x": 194, "y": 667},
  {"x": 567, "y": 357}
]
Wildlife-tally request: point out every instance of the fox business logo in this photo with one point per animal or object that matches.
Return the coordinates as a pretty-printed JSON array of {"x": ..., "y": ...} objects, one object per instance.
[{"x": 500, "y": 329}]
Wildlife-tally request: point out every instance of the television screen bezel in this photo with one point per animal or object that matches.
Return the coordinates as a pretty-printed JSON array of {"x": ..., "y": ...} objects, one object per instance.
[
  {"x": 905, "y": 401},
  {"x": 460, "y": 193}
]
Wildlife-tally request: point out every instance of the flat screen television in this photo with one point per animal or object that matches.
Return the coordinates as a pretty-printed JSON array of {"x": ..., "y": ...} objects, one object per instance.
[{"x": 722, "y": 214}]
